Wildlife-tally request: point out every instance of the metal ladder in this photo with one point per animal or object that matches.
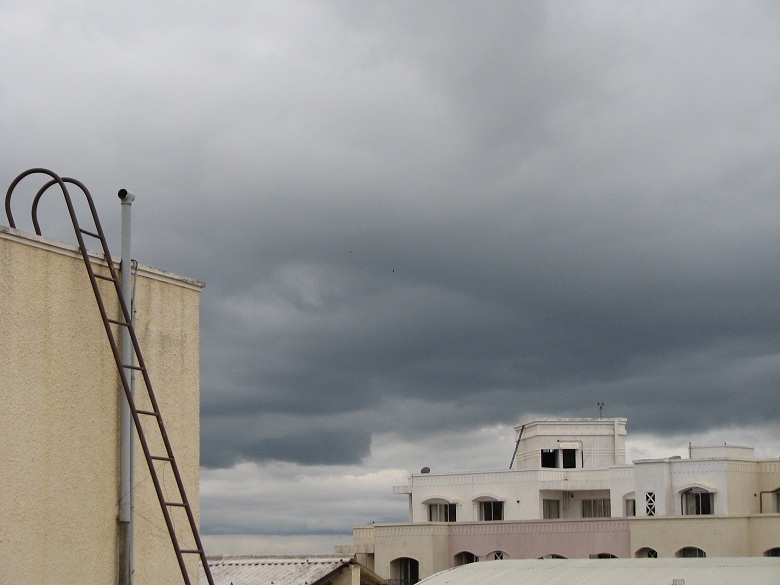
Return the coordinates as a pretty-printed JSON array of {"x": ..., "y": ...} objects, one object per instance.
[{"x": 148, "y": 416}]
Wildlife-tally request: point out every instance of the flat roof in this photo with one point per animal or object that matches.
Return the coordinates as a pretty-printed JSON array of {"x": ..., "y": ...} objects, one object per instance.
[{"x": 66, "y": 249}]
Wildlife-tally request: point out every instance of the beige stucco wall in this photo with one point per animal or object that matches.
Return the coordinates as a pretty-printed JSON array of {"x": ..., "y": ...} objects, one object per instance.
[
  {"x": 435, "y": 545},
  {"x": 427, "y": 543},
  {"x": 59, "y": 412},
  {"x": 536, "y": 538},
  {"x": 718, "y": 536}
]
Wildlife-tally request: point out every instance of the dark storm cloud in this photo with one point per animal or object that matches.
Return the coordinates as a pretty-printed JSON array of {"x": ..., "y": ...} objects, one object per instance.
[
  {"x": 477, "y": 210},
  {"x": 262, "y": 438}
]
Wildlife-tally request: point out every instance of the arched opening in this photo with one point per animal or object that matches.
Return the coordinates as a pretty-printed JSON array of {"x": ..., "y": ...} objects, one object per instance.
[
  {"x": 552, "y": 556},
  {"x": 489, "y": 508},
  {"x": 497, "y": 555},
  {"x": 690, "y": 552},
  {"x": 603, "y": 556},
  {"x": 697, "y": 500},
  {"x": 646, "y": 553},
  {"x": 405, "y": 571},
  {"x": 465, "y": 557},
  {"x": 772, "y": 552},
  {"x": 441, "y": 509}
]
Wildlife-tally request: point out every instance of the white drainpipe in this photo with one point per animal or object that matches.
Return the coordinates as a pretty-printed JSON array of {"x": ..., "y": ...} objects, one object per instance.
[{"x": 126, "y": 471}]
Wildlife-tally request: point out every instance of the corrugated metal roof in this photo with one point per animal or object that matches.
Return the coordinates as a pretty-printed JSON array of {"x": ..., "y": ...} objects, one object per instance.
[
  {"x": 706, "y": 571},
  {"x": 279, "y": 570}
]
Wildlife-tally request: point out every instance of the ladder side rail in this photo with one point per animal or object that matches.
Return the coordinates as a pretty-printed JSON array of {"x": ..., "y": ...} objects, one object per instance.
[
  {"x": 169, "y": 452},
  {"x": 136, "y": 418},
  {"x": 145, "y": 373},
  {"x": 168, "y": 449},
  {"x": 118, "y": 358},
  {"x": 125, "y": 383},
  {"x": 150, "y": 392}
]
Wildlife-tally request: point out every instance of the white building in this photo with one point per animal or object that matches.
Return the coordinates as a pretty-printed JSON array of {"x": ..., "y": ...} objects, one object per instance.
[{"x": 571, "y": 494}]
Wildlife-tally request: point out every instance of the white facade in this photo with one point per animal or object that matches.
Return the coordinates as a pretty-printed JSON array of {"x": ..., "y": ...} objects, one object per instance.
[
  {"x": 575, "y": 469},
  {"x": 563, "y": 469}
]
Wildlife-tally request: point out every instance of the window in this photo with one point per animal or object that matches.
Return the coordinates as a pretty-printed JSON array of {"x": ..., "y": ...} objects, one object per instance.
[
  {"x": 650, "y": 504},
  {"x": 647, "y": 553},
  {"x": 551, "y": 509},
  {"x": 552, "y": 556},
  {"x": 497, "y": 555},
  {"x": 491, "y": 511},
  {"x": 441, "y": 512},
  {"x": 465, "y": 558},
  {"x": 630, "y": 507},
  {"x": 549, "y": 458},
  {"x": 690, "y": 552},
  {"x": 569, "y": 458},
  {"x": 696, "y": 502},
  {"x": 407, "y": 569},
  {"x": 772, "y": 552},
  {"x": 602, "y": 556},
  {"x": 598, "y": 508}
]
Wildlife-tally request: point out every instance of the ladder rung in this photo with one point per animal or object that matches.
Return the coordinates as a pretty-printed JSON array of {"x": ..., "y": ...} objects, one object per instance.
[
  {"x": 177, "y": 504},
  {"x": 129, "y": 367},
  {"x": 191, "y": 552},
  {"x": 93, "y": 234},
  {"x": 115, "y": 322},
  {"x": 100, "y": 276},
  {"x": 149, "y": 412},
  {"x": 160, "y": 458}
]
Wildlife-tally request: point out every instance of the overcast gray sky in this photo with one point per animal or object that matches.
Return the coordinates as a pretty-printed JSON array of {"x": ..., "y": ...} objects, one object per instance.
[{"x": 421, "y": 223}]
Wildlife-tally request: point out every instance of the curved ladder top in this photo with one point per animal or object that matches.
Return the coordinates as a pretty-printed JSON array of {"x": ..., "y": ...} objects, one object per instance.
[{"x": 55, "y": 180}]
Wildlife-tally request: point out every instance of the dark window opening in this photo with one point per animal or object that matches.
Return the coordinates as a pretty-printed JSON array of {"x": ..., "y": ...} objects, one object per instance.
[
  {"x": 690, "y": 552},
  {"x": 408, "y": 571},
  {"x": 695, "y": 503},
  {"x": 441, "y": 512},
  {"x": 569, "y": 458},
  {"x": 548, "y": 458},
  {"x": 551, "y": 509},
  {"x": 598, "y": 508},
  {"x": 491, "y": 511},
  {"x": 465, "y": 558}
]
